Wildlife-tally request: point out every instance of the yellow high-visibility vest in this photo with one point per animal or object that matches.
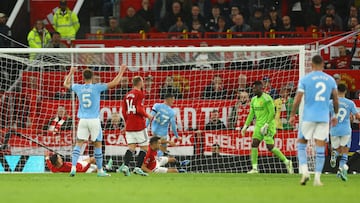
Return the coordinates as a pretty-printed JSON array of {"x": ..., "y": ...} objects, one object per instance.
[{"x": 67, "y": 25}]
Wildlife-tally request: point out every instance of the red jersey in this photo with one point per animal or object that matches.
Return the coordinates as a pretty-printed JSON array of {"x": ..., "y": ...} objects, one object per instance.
[
  {"x": 341, "y": 62},
  {"x": 66, "y": 167},
  {"x": 133, "y": 110},
  {"x": 150, "y": 159}
]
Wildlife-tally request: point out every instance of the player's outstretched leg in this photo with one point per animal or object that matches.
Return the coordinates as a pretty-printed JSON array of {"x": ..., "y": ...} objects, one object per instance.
[
  {"x": 282, "y": 157},
  {"x": 140, "y": 160},
  {"x": 74, "y": 160},
  {"x": 343, "y": 168},
  {"x": 334, "y": 155},
  {"x": 301, "y": 148}
]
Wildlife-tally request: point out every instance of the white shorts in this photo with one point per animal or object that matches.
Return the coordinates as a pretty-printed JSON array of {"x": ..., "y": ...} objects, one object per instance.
[
  {"x": 343, "y": 141},
  {"x": 137, "y": 137},
  {"x": 90, "y": 127},
  {"x": 161, "y": 161},
  {"x": 316, "y": 130}
]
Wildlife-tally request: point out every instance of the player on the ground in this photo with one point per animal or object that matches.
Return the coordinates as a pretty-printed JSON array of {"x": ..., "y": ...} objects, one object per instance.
[
  {"x": 341, "y": 133},
  {"x": 154, "y": 164},
  {"x": 262, "y": 107},
  {"x": 135, "y": 129},
  {"x": 88, "y": 113},
  {"x": 164, "y": 116},
  {"x": 316, "y": 87}
]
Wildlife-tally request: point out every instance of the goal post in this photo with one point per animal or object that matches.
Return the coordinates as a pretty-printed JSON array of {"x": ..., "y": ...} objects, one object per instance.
[{"x": 209, "y": 83}]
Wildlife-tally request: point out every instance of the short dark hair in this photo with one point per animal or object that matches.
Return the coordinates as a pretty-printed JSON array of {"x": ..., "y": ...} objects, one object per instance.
[
  {"x": 257, "y": 83},
  {"x": 154, "y": 139},
  {"x": 136, "y": 80},
  {"x": 317, "y": 60},
  {"x": 169, "y": 95},
  {"x": 55, "y": 33},
  {"x": 54, "y": 159},
  {"x": 88, "y": 74},
  {"x": 342, "y": 88}
]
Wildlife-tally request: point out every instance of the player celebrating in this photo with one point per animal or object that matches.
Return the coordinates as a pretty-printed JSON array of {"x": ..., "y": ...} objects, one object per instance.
[
  {"x": 135, "y": 129},
  {"x": 316, "y": 87},
  {"x": 88, "y": 113},
  {"x": 164, "y": 116},
  {"x": 153, "y": 164},
  {"x": 262, "y": 107},
  {"x": 341, "y": 133}
]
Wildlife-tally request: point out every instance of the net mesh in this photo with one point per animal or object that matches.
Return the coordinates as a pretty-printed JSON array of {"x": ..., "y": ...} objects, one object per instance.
[{"x": 39, "y": 114}]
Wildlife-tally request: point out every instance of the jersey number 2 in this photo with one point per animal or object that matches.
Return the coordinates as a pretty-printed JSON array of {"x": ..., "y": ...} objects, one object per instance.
[{"x": 322, "y": 88}]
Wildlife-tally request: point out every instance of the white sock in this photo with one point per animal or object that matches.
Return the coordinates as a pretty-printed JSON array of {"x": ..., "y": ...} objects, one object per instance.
[
  {"x": 304, "y": 169},
  {"x": 73, "y": 168},
  {"x": 317, "y": 176},
  {"x": 254, "y": 166}
]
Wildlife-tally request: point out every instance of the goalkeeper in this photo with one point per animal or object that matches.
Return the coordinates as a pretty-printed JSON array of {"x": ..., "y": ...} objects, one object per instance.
[{"x": 262, "y": 107}]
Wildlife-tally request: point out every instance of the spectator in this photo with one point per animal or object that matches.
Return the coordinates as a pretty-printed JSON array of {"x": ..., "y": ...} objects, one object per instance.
[
  {"x": 330, "y": 11},
  {"x": 315, "y": 11},
  {"x": 195, "y": 16},
  {"x": 161, "y": 7},
  {"x": 215, "y": 90},
  {"x": 224, "y": 7},
  {"x": 147, "y": 13},
  {"x": 4, "y": 30},
  {"x": 197, "y": 30},
  {"x": 105, "y": 94},
  {"x": 283, "y": 106},
  {"x": 222, "y": 27},
  {"x": 287, "y": 27},
  {"x": 60, "y": 122},
  {"x": 215, "y": 123},
  {"x": 215, "y": 150},
  {"x": 205, "y": 60},
  {"x": 150, "y": 92},
  {"x": 240, "y": 26},
  {"x": 115, "y": 123},
  {"x": 234, "y": 11},
  {"x": 179, "y": 26},
  {"x": 344, "y": 60},
  {"x": 39, "y": 36},
  {"x": 124, "y": 88},
  {"x": 56, "y": 41},
  {"x": 266, "y": 27},
  {"x": 212, "y": 20},
  {"x": 170, "y": 88},
  {"x": 353, "y": 12},
  {"x": 133, "y": 23},
  {"x": 329, "y": 25},
  {"x": 113, "y": 29},
  {"x": 297, "y": 12},
  {"x": 240, "y": 111},
  {"x": 256, "y": 20},
  {"x": 204, "y": 6},
  {"x": 354, "y": 24},
  {"x": 267, "y": 88},
  {"x": 172, "y": 17},
  {"x": 66, "y": 22},
  {"x": 241, "y": 86},
  {"x": 274, "y": 18}
]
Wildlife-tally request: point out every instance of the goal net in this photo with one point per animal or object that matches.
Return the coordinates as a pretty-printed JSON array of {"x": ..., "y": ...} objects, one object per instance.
[{"x": 212, "y": 87}]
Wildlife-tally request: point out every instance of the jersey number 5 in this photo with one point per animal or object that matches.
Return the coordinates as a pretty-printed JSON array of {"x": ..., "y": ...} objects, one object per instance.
[
  {"x": 86, "y": 100},
  {"x": 130, "y": 107}
]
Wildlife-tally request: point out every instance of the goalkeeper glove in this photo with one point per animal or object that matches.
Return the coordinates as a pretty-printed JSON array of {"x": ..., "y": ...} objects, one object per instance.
[
  {"x": 264, "y": 129},
  {"x": 243, "y": 130}
]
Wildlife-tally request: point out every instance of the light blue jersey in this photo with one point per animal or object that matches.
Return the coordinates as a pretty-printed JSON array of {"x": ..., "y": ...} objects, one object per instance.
[
  {"x": 317, "y": 87},
  {"x": 89, "y": 99},
  {"x": 163, "y": 116},
  {"x": 346, "y": 108}
]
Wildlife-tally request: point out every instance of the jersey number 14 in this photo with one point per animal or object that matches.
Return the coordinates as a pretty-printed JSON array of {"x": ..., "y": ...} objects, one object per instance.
[{"x": 130, "y": 107}]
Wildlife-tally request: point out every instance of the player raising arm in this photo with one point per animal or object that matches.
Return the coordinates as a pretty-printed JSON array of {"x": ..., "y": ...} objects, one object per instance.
[
  {"x": 262, "y": 107},
  {"x": 340, "y": 134},
  {"x": 89, "y": 114},
  {"x": 316, "y": 87},
  {"x": 135, "y": 129}
]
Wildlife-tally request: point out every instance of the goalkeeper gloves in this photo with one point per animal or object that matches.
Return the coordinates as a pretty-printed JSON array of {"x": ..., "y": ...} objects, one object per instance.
[
  {"x": 243, "y": 130},
  {"x": 264, "y": 129}
]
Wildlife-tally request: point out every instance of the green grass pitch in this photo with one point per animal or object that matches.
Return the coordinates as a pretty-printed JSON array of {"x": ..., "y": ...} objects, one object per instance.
[{"x": 174, "y": 188}]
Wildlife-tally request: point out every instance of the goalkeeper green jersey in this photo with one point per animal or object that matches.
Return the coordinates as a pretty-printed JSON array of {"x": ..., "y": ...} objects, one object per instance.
[{"x": 263, "y": 109}]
